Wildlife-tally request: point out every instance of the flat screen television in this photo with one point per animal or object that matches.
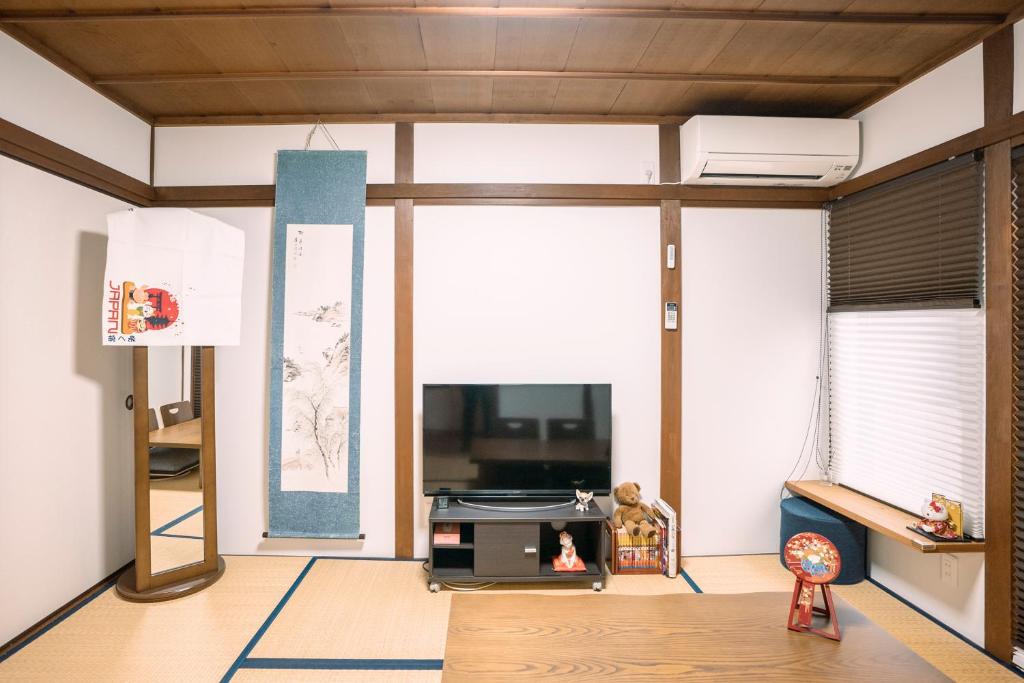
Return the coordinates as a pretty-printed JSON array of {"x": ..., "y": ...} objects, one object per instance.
[{"x": 516, "y": 440}]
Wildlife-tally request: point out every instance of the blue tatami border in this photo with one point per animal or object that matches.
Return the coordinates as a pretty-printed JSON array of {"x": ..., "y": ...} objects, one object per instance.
[
  {"x": 269, "y": 620},
  {"x": 888, "y": 591},
  {"x": 161, "y": 531},
  {"x": 100, "y": 590}
]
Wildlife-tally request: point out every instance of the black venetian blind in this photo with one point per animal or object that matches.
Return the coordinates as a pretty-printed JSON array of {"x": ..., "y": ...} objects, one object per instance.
[
  {"x": 196, "y": 381},
  {"x": 1017, "y": 180},
  {"x": 914, "y": 242}
]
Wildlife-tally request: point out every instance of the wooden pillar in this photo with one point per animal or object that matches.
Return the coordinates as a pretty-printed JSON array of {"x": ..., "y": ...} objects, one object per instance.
[
  {"x": 403, "y": 346},
  {"x": 998, "y": 79},
  {"x": 671, "y": 340}
]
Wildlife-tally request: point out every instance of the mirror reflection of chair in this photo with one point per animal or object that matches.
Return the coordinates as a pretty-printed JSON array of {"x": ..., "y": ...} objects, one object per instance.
[
  {"x": 570, "y": 428},
  {"x": 517, "y": 428},
  {"x": 167, "y": 462},
  {"x": 176, "y": 413}
]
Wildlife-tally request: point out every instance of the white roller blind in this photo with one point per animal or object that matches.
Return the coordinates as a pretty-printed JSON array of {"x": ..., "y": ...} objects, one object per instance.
[{"x": 906, "y": 410}]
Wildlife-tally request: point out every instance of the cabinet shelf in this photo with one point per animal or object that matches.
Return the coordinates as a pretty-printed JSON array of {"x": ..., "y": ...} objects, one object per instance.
[
  {"x": 547, "y": 573},
  {"x": 516, "y": 546}
]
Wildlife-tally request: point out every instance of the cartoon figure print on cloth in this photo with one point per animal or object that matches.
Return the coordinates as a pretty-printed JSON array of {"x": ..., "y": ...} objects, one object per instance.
[
  {"x": 147, "y": 308},
  {"x": 814, "y": 560}
]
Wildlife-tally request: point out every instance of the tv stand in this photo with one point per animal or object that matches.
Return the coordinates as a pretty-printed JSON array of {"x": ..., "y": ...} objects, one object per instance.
[{"x": 514, "y": 543}]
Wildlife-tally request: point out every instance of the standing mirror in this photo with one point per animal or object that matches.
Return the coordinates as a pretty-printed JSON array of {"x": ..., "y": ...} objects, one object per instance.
[{"x": 175, "y": 474}]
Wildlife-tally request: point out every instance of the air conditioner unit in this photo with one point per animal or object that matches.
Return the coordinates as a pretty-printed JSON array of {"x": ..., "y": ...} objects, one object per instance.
[{"x": 763, "y": 150}]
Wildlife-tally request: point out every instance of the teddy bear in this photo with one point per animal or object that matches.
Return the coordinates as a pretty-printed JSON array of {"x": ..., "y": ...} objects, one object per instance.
[{"x": 631, "y": 513}]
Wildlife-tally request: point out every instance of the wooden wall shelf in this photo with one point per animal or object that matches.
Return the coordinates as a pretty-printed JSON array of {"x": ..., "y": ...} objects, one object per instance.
[{"x": 876, "y": 515}]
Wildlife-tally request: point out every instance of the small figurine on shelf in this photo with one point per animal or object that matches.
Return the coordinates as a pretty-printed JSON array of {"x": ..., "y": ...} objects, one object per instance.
[
  {"x": 568, "y": 560},
  {"x": 583, "y": 499},
  {"x": 942, "y": 518}
]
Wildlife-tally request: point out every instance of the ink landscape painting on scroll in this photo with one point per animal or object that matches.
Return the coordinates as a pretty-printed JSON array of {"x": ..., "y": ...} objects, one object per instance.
[{"x": 316, "y": 358}]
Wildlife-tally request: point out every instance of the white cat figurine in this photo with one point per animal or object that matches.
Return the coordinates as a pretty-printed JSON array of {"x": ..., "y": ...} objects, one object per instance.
[{"x": 583, "y": 500}]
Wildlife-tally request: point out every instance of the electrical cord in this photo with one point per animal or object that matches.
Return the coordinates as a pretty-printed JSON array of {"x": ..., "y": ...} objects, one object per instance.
[
  {"x": 466, "y": 587},
  {"x": 814, "y": 418},
  {"x": 460, "y": 586}
]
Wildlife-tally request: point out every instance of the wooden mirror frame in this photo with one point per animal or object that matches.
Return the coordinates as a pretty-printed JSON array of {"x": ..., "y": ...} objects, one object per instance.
[{"x": 138, "y": 583}]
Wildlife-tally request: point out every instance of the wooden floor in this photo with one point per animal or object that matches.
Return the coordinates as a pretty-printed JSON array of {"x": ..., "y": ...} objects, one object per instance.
[{"x": 297, "y": 619}]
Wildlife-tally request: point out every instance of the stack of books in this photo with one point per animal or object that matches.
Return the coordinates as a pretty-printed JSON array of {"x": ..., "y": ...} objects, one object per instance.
[
  {"x": 665, "y": 518},
  {"x": 657, "y": 554},
  {"x": 637, "y": 554}
]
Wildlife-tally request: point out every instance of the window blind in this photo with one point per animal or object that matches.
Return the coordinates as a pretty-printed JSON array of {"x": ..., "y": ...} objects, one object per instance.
[
  {"x": 196, "y": 381},
  {"x": 1017, "y": 443},
  {"x": 915, "y": 242},
  {"x": 906, "y": 413}
]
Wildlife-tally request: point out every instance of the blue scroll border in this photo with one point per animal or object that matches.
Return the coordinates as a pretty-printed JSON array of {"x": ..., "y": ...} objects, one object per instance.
[{"x": 316, "y": 187}]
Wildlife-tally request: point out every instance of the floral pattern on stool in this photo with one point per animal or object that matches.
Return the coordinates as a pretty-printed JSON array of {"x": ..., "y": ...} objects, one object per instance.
[{"x": 815, "y": 561}]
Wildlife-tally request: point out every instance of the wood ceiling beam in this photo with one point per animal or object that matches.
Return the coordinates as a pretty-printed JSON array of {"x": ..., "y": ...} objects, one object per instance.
[
  {"x": 150, "y": 78},
  {"x": 455, "y": 117},
  {"x": 39, "y": 16},
  {"x": 512, "y": 193},
  {"x": 30, "y": 148}
]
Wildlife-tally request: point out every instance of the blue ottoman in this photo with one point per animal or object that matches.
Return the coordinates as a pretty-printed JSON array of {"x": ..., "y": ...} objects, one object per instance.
[{"x": 850, "y": 537}]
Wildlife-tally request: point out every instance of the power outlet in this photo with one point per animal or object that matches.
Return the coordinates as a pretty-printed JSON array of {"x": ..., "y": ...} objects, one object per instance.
[{"x": 948, "y": 570}]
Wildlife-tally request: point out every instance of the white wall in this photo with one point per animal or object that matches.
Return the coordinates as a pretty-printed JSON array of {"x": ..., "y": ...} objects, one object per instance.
[
  {"x": 166, "y": 382},
  {"x": 245, "y": 155},
  {"x": 242, "y": 386},
  {"x": 535, "y": 153},
  {"x": 915, "y": 576},
  {"x": 546, "y": 295},
  {"x": 571, "y": 294},
  {"x": 38, "y": 96},
  {"x": 66, "y": 489},
  {"x": 937, "y": 107},
  {"x": 750, "y": 342}
]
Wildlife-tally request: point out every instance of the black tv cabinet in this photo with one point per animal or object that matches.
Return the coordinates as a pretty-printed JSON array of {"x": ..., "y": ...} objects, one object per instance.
[{"x": 514, "y": 545}]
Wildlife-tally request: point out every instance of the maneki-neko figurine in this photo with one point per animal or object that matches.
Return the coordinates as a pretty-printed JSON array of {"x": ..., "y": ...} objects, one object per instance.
[{"x": 814, "y": 560}]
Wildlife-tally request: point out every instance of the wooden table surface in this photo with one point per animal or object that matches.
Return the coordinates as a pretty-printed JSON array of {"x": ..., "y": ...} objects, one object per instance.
[
  {"x": 653, "y": 638},
  {"x": 182, "y": 435}
]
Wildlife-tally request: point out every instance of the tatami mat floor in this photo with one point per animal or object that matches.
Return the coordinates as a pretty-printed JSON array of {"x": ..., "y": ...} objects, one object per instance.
[
  {"x": 346, "y": 620},
  {"x": 943, "y": 650}
]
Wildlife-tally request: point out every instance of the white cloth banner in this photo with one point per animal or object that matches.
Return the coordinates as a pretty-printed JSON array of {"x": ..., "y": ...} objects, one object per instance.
[{"x": 173, "y": 278}]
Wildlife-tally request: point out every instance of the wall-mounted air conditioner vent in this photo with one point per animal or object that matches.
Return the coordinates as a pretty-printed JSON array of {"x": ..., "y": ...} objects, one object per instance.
[{"x": 758, "y": 150}]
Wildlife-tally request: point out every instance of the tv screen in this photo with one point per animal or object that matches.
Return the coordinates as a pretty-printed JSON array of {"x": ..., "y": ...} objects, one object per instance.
[{"x": 516, "y": 439}]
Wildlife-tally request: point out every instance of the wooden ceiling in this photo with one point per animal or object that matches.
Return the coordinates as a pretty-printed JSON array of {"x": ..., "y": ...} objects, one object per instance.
[{"x": 183, "y": 61}]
